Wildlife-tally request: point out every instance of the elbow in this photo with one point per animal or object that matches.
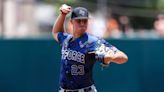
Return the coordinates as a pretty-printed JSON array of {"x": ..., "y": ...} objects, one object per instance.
[
  {"x": 122, "y": 60},
  {"x": 54, "y": 31}
]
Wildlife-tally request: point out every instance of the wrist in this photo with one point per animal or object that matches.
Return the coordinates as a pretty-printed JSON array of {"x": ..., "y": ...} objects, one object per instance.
[
  {"x": 100, "y": 57},
  {"x": 62, "y": 13}
]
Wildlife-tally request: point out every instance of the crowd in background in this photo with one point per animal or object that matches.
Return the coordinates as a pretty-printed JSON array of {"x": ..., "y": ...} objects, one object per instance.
[
  {"x": 121, "y": 27},
  {"x": 31, "y": 18}
]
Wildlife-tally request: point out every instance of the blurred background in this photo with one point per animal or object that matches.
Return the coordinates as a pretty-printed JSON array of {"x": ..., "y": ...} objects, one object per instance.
[
  {"x": 30, "y": 58},
  {"x": 109, "y": 18}
]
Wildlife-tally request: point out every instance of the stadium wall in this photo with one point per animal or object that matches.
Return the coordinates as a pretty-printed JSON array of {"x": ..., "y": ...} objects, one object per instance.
[{"x": 33, "y": 66}]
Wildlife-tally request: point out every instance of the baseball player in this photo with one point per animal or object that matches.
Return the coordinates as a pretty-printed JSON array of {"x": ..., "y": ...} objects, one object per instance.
[{"x": 80, "y": 51}]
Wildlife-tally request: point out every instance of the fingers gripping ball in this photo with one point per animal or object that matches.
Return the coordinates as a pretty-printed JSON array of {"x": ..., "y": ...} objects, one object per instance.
[{"x": 65, "y": 9}]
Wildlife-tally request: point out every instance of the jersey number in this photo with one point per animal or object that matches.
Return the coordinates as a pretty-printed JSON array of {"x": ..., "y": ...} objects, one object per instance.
[{"x": 77, "y": 70}]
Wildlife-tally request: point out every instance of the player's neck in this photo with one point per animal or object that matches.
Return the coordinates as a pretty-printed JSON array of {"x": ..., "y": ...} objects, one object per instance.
[{"x": 77, "y": 35}]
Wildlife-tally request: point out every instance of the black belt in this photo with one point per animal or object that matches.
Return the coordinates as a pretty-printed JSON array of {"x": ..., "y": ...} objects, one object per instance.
[{"x": 85, "y": 90}]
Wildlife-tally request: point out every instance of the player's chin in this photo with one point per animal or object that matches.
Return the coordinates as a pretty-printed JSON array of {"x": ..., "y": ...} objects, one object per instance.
[{"x": 83, "y": 29}]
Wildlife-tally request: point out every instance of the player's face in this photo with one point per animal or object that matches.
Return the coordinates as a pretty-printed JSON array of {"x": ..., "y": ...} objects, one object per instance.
[{"x": 80, "y": 25}]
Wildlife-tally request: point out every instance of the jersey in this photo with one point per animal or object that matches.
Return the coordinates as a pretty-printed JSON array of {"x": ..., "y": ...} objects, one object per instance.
[{"x": 76, "y": 61}]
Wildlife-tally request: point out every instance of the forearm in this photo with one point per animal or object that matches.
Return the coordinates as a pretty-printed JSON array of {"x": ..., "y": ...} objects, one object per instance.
[
  {"x": 59, "y": 24},
  {"x": 118, "y": 58}
]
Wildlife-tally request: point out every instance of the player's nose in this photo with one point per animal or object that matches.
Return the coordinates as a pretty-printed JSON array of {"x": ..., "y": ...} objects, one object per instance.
[{"x": 83, "y": 22}]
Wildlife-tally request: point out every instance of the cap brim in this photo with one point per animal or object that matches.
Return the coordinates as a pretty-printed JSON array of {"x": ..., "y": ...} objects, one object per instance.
[{"x": 80, "y": 18}]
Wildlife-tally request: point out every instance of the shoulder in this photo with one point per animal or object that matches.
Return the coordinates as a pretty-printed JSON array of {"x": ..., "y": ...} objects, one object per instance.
[
  {"x": 62, "y": 36},
  {"x": 95, "y": 39},
  {"x": 91, "y": 42},
  {"x": 92, "y": 38}
]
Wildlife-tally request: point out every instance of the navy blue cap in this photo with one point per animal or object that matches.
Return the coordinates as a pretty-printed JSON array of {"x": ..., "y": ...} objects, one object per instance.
[{"x": 79, "y": 13}]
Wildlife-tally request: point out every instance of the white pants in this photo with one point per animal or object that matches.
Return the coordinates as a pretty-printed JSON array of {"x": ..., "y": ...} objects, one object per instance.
[{"x": 93, "y": 89}]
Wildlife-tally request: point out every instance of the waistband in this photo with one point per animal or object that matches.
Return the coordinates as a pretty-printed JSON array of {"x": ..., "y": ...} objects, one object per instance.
[{"x": 86, "y": 89}]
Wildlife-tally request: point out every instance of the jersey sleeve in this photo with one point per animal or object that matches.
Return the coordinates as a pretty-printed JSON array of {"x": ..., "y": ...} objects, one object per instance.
[
  {"x": 62, "y": 36},
  {"x": 107, "y": 45},
  {"x": 101, "y": 47}
]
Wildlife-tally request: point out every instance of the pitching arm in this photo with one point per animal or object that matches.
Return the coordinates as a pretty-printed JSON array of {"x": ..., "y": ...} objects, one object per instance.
[
  {"x": 107, "y": 53},
  {"x": 59, "y": 24},
  {"x": 118, "y": 57}
]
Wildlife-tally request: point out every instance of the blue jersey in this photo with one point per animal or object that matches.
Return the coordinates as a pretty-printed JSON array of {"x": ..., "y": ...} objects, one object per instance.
[{"x": 76, "y": 61}]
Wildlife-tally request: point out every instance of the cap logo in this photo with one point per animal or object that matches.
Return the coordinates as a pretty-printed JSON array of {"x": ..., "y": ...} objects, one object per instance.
[{"x": 81, "y": 12}]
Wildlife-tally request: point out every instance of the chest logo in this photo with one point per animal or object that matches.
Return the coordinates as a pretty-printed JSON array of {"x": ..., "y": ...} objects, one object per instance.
[
  {"x": 82, "y": 44},
  {"x": 73, "y": 55}
]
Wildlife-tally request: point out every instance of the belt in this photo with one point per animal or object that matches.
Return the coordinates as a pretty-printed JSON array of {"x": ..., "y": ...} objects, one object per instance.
[
  {"x": 87, "y": 89},
  {"x": 82, "y": 90}
]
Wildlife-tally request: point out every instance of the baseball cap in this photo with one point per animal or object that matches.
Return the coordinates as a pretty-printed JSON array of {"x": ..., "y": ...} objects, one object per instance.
[{"x": 79, "y": 13}]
